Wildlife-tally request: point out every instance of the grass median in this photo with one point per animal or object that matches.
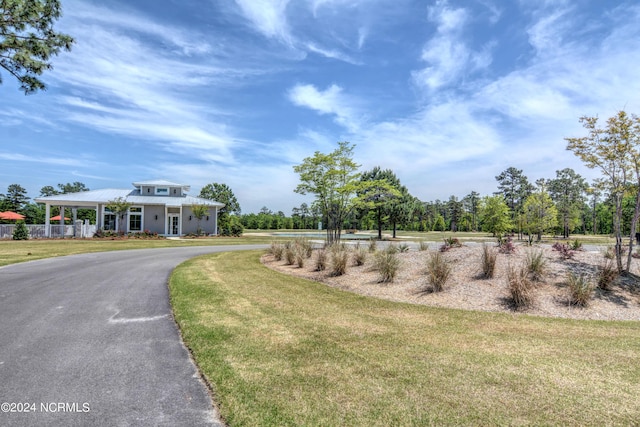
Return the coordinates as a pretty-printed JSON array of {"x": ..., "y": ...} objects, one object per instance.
[{"x": 278, "y": 350}]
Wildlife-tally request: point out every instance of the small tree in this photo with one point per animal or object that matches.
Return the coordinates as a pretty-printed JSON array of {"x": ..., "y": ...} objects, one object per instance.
[
  {"x": 334, "y": 180},
  {"x": 21, "y": 232},
  {"x": 613, "y": 150},
  {"x": 494, "y": 215},
  {"x": 540, "y": 214},
  {"x": 199, "y": 212},
  {"x": 119, "y": 207}
]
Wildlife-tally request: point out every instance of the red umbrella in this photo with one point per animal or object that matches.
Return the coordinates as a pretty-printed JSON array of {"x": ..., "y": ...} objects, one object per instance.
[
  {"x": 11, "y": 215},
  {"x": 57, "y": 218}
]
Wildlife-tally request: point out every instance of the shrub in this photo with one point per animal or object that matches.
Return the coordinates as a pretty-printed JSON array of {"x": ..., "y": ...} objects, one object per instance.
[
  {"x": 339, "y": 259},
  {"x": 438, "y": 271},
  {"x": 564, "y": 250},
  {"x": 450, "y": 242},
  {"x": 520, "y": 287},
  {"x": 21, "y": 232},
  {"x": 576, "y": 245},
  {"x": 392, "y": 249},
  {"x": 606, "y": 275},
  {"x": 423, "y": 246},
  {"x": 580, "y": 289},
  {"x": 608, "y": 253},
  {"x": 359, "y": 256},
  {"x": 506, "y": 245},
  {"x": 403, "y": 247},
  {"x": 321, "y": 260},
  {"x": 387, "y": 264},
  {"x": 536, "y": 265},
  {"x": 488, "y": 261}
]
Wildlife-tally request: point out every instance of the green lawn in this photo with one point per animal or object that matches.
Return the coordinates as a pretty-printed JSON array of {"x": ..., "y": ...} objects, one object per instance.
[
  {"x": 278, "y": 350},
  {"x": 12, "y": 251}
]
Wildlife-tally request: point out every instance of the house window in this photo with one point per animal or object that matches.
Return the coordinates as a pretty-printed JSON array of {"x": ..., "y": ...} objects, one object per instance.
[
  {"x": 108, "y": 220},
  {"x": 162, "y": 191},
  {"x": 135, "y": 219}
]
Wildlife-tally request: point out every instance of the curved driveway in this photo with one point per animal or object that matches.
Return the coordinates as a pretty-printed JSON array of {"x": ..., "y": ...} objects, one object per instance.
[{"x": 90, "y": 340}]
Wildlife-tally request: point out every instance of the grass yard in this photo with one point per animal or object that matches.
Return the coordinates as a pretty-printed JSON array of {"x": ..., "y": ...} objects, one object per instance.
[
  {"x": 12, "y": 251},
  {"x": 279, "y": 350}
]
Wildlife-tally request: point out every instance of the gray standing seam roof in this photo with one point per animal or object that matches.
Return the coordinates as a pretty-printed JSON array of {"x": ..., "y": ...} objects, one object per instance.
[{"x": 131, "y": 196}]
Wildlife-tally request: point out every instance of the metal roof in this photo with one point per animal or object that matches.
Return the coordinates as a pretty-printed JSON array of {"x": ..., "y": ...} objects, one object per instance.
[
  {"x": 161, "y": 182},
  {"x": 94, "y": 197}
]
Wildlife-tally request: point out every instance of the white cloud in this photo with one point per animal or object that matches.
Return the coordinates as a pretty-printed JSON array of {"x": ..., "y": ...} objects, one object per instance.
[
  {"x": 447, "y": 54},
  {"x": 269, "y": 17},
  {"x": 331, "y": 101}
]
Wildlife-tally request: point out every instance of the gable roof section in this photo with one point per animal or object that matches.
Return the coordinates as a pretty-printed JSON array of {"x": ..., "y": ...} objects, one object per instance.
[{"x": 94, "y": 197}]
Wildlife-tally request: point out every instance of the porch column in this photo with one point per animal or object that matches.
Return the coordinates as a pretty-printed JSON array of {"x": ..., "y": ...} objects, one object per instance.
[
  {"x": 47, "y": 222},
  {"x": 74, "y": 218}
]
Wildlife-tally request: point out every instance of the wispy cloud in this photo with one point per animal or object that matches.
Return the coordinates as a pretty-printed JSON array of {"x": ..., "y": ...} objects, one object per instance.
[
  {"x": 268, "y": 17},
  {"x": 446, "y": 53},
  {"x": 330, "y": 101}
]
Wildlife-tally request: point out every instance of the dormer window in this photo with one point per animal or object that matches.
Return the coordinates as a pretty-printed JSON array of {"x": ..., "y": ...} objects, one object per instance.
[{"x": 162, "y": 191}]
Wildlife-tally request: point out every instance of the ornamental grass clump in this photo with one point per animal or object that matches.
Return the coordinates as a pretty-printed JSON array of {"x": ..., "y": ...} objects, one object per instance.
[
  {"x": 300, "y": 257},
  {"x": 580, "y": 289},
  {"x": 423, "y": 246},
  {"x": 438, "y": 271},
  {"x": 289, "y": 255},
  {"x": 276, "y": 250},
  {"x": 536, "y": 265},
  {"x": 304, "y": 246},
  {"x": 606, "y": 275},
  {"x": 339, "y": 259},
  {"x": 373, "y": 246},
  {"x": 520, "y": 287},
  {"x": 403, "y": 247},
  {"x": 387, "y": 265},
  {"x": 359, "y": 256},
  {"x": 321, "y": 260},
  {"x": 488, "y": 259}
]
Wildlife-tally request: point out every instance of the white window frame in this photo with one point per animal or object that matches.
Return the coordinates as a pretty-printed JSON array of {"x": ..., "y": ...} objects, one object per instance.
[
  {"x": 130, "y": 214},
  {"x": 107, "y": 211},
  {"x": 162, "y": 191}
]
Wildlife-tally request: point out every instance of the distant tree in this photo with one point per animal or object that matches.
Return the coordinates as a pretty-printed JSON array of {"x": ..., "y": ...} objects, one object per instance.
[
  {"x": 28, "y": 40},
  {"x": 614, "y": 151},
  {"x": 67, "y": 188},
  {"x": 567, "y": 191},
  {"x": 379, "y": 192},
  {"x": 301, "y": 214},
  {"x": 540, "y": 214},
  {"x": 495, "y": 215},
  {"x": 514, "y": 186},
  {"x": 333, "y": 179},
  {"x": 454, "y": 208},
  {"x": 471, "y": 203},
  {"x": 47, "y": 191},
  {"x": 224, "y": 194},
  {"x": 15, "y": 198}
]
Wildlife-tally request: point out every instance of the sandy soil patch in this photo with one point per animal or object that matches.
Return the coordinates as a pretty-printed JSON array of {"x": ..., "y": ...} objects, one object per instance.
[{"x": 467, "y": 290}]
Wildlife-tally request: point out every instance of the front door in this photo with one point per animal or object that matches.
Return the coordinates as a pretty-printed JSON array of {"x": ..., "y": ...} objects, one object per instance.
[{"x": 174, "y": 224}]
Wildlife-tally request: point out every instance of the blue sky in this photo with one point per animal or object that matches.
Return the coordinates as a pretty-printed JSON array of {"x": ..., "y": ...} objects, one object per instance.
[{"x": 447, "y": 94}]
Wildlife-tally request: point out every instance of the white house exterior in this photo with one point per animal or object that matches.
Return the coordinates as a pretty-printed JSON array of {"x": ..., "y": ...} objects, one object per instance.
[{"x": 158, "y": 206}]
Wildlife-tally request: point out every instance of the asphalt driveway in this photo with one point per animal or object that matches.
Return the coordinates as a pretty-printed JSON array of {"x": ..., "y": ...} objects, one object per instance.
[{"x": 90, "y": 340}]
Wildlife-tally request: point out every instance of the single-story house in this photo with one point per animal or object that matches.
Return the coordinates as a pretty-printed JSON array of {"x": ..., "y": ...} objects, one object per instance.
[{"x": 158, "y": 206}]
